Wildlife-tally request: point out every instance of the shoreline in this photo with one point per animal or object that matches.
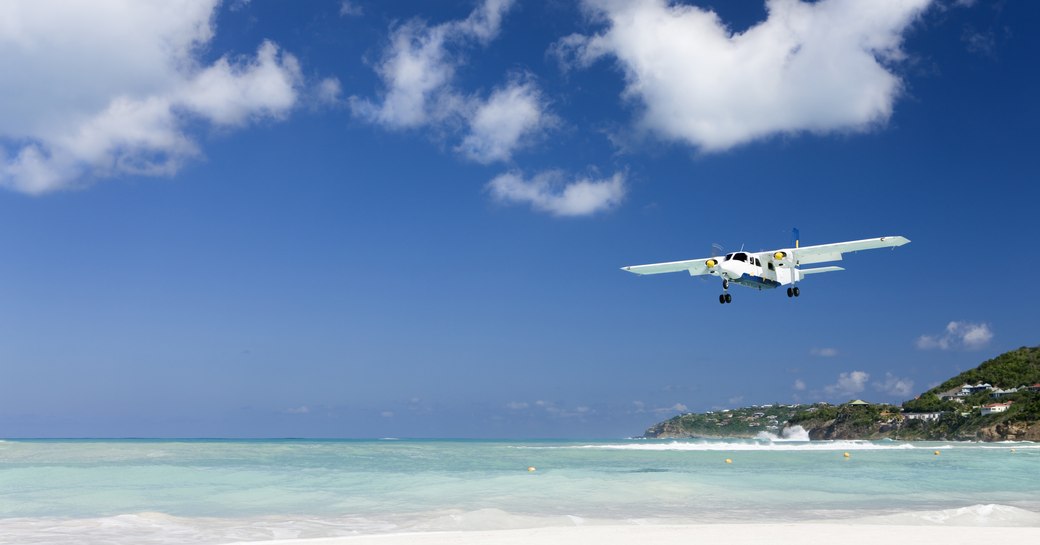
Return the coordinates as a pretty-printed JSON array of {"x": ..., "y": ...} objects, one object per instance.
[{"x": 732, "y": 534}]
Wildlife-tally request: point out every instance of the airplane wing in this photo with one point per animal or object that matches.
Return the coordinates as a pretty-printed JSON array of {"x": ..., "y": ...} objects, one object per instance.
[
  {"x": 822, "y": 253},
  {"x": 694, "y": 266}
]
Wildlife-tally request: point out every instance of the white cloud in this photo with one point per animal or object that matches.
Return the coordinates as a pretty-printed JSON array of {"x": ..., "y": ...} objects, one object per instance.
[
  {"x": 516, "y": 405},
  {"x": 824, "y": 352},
  {"x": 499, "y": 125},
  {"x": 550, "y": 192},
  {"x": 387, "y": 414},
  {"x": 896, "y": 386},
  {"x": 810, "y": 66},
  {"x": 848, "y": 384},
  {"x": 302, "y": 409},
  {"x": 418, "y": 68},
  {"x": 799, "y": 385},
  {"x": 958, "y": 335},
  {"x": 109, "y": 87}
]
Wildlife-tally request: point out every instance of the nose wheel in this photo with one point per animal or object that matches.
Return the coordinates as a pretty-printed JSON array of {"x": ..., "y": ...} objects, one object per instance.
[
  {"x": 793, "y": 292},
  {"x": 725, "y": 297}
]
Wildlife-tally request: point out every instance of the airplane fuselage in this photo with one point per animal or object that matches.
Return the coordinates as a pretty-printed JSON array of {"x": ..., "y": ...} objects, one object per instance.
[{"x": 746, "y": 269}]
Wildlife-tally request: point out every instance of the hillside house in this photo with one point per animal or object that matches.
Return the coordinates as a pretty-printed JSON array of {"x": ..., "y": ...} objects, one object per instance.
[
  {"x": 997, "y": 394},
  {"x": 927, "y": 417},
  {"x": 994, "y": 408}
]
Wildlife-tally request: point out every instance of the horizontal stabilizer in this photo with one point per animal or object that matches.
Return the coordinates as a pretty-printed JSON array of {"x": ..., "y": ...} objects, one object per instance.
[{"x": 821, "y": 270}]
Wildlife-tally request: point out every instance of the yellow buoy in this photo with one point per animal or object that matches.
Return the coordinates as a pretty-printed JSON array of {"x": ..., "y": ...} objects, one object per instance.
[
  {"x": 936, "y": 453},
  {"x": 847, "y": 455},
  {"x": 530, "y": 468},
  {"x": 1012, "y": 451},
  {"x": 729, "y": 461}
]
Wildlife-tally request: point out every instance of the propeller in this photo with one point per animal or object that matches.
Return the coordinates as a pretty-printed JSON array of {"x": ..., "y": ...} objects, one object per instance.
[{"x": 716, "y": 250}]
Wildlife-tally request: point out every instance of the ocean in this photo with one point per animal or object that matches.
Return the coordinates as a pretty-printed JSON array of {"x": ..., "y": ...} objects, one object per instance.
[{"x": 140, "y": 491}]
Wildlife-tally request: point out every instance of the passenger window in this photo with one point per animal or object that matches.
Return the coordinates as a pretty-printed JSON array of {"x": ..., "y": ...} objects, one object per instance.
[{"x": 770, "y": 265}]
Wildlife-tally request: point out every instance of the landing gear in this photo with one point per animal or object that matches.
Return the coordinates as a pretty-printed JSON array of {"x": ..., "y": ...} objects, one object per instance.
[
  {"x": 793, "y": 292},
  {"x": 725, "y": 297}
]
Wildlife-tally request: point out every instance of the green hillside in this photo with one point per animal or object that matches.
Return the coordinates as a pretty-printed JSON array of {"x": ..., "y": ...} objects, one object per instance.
[
  {"x": 1009, "y": 370},
  {"x": 958, "y": 418}
]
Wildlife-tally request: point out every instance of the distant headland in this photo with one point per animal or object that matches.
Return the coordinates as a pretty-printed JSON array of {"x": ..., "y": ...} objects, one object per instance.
[{"x": 997, "y": 401}]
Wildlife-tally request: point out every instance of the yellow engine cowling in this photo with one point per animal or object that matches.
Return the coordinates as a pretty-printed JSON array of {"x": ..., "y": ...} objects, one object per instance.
[
  {"x": 779, "y": 255},
  {"x": 711, "y": 263}
]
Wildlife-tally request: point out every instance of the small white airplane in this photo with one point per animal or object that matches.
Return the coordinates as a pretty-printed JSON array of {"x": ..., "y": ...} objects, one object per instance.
[{"x": 772, "y": 269}]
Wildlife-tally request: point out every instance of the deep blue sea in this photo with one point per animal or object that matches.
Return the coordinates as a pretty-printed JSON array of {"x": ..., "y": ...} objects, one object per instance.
[{"x": 220, "y": 491}]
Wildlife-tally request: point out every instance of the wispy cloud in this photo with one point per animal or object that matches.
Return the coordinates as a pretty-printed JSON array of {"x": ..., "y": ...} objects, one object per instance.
[
  {"x": 302, "y": 409},
  {"x": 958, "y": 335},
  {"x": 799, "y": 385},
  {"x": 824, "y": 352},
  {"x": 677, "y": 408},
  {"x": 894, "y": 385},
  {"x": 848, "y": 384},
  {"x": 350, "y": 9},
  {"x": 551, "y": 192},
  {"x": 810, "y": 66},
  {"x": 140, "y": 84}
]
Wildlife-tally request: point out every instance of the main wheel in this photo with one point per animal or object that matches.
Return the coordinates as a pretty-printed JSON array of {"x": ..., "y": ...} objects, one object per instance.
[
  {"x": 796, "y": 292},
  {"x": 790, "y": 292},
  {"x": 722, "y": 299},
  {"x": 728, "y": 297}
]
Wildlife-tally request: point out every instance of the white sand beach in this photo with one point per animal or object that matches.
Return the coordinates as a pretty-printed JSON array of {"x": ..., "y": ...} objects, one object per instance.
[{"x": 729, "y": 534}]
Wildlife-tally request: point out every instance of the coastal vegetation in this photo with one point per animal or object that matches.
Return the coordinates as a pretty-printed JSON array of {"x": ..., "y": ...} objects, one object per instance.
[{"x": 998, "y": 400}]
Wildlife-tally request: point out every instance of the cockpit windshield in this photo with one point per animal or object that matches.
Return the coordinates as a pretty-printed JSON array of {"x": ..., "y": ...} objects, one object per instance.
[{"x": 740, "y": 256}]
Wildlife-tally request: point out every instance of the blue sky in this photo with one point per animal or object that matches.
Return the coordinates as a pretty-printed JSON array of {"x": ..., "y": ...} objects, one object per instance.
[{"x": 365, "y": 220}]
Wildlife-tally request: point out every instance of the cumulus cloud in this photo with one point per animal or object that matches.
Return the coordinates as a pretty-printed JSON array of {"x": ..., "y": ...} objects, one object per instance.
[
  {"x": 551, "y": 192},
  {"x": 799, "y": 385},
  {"x": 824, "y": 352},
  {"x": 958, "y": 335},
  {"x": 109, "y": 88},
  {"x": 894, "y": 385},
  {"x": 418, "y": 68},
  {"x": 810, "y": 66},
  {"x": 848, "y": 384}
]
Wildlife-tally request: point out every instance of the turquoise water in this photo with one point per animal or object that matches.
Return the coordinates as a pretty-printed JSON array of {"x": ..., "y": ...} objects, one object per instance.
[{"x": 145, "y": 491}]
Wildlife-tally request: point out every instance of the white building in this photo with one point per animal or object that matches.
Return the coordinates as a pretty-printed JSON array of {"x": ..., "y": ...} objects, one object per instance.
[
  {"x": 994, "y": 408},
  {"x": 929, "y": 417}
]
